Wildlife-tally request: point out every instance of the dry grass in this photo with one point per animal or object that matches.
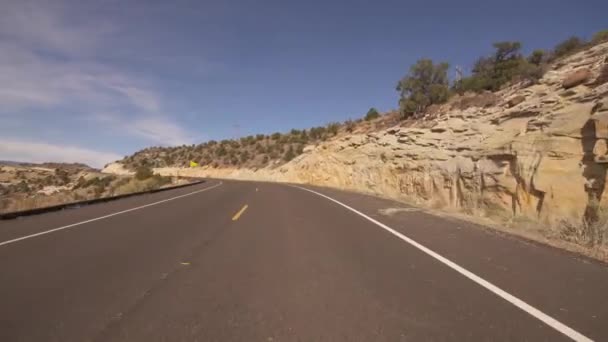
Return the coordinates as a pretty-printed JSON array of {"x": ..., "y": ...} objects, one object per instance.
[
  {"x": 528, "y": 229},
  {"x": 26, "y": 202},
  {"x": 135, "y": 185},
  {"x": 590, "y": 233},
  {"x": 27, "y": 187},
  {"x": 496, "y": 219}
]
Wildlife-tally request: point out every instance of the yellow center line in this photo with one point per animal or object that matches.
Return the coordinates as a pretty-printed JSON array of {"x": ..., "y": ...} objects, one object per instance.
[{"x": 237, "y": 215}]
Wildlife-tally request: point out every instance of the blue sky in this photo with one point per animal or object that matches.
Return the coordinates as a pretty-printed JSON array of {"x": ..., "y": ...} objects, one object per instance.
[{"x": 93, "y": 81}]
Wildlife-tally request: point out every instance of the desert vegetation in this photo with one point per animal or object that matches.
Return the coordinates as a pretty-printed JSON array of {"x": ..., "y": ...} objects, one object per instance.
[
  {"x": 29, "y": 186},
  {"x": 427, "y": 82},
  {"x": 424, "y": 86},
  {"x": 254, "y": 151}
]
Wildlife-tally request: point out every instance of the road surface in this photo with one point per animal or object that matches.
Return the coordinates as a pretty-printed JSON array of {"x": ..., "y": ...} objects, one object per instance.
[{"x": 247, "y": 261}]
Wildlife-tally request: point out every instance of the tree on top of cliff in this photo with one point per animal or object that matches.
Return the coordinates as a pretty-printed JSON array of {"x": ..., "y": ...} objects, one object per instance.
[
  {"x": 372, "y": 113},
  {"x": 424, "y": 85},
  {"x": 505, "y": 65},
  {"x": 600, "y": 37},
  {"x": 537, "y": 57},
  {"x": 568, "y": 46}
]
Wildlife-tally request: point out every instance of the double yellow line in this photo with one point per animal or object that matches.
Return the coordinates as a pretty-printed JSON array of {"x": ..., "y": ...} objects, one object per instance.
[{"x": 237, "y": 215}]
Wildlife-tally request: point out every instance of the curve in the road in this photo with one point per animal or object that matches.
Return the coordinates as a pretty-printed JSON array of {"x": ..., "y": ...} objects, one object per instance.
[
  {"x": 550, "y": 321},
  {"x": 106, "y": 216}
]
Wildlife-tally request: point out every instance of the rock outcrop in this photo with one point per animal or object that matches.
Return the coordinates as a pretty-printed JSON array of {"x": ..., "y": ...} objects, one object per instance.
[{"x": 538, "y": 151}]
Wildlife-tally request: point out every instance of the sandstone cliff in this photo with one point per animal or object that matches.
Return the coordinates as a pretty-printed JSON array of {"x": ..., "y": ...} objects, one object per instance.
[{"x": 536, "y": 151}]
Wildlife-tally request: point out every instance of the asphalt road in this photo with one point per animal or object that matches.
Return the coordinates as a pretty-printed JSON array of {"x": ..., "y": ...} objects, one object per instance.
[{"x": 246, "y": 261}]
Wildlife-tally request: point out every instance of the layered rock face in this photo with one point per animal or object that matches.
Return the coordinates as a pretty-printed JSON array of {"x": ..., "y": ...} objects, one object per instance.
[{"x": 538, "y": 151}]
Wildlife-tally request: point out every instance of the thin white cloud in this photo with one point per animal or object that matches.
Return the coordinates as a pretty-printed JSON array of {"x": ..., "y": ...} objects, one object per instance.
[
  {"x": 48, "y": 62},
  {"x": 35, "y": 152},
  {"x": 43, "y": 25},
  {"x": 33, "y": 81},
  {"x": 155, "y": 129},
  {"x": 159, "y": 130},
  {"x": 139, "y": 97}
]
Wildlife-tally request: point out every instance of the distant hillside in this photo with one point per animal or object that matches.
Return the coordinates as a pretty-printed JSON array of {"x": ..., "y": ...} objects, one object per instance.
[
  {"x": 51, "y": 165},
  {"x": 422, "y": 91},
  {"x": 8, "y": 162},
  {"x": 521, "y": 143},
  {"x": 26, "y": 186},
  {"x": 254, "y": 151}
]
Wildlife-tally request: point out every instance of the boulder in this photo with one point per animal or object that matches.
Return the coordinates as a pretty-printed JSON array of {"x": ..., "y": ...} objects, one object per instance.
[
  {"x": 600, "y": 148},
  {"x": 438, "y": 128},
  {"x": 602, "y": 77},
  {"x": 576, "y": 77},
  {"x": 514, "y": 101},
  {"x": 308, "y": 149},
  {"x": 600, "y": 122}
]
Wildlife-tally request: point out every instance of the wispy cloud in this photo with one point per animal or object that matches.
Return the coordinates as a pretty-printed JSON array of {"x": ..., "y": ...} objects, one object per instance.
[
  {"x": 48, "y": 61},
  {"x": 45, "y": 26},
  {"x": 37, "y": 152},
  {"x": 155, "y": 129}
]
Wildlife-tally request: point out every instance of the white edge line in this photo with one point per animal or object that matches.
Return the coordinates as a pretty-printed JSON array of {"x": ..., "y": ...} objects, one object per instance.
[
  {"x": 105, "y": 216},
  {"x": 550, "y": 321}
]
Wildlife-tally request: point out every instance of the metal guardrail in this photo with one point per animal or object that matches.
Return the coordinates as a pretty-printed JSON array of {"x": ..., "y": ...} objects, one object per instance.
[{"x": 78, "y": 204}]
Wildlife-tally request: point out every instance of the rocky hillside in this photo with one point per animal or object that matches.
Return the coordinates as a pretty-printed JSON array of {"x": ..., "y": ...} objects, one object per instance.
[
  {"x": 251, "y": 152},
  {"x": 26, "y": 186},
  {"x": 534, "y": 152}
]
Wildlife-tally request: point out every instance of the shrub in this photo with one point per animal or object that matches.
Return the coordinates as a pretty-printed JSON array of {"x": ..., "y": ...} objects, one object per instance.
[
  {"x": 169, "y": 160},
  {"x": 244, "y": 156},
  {"x": 317, "y": 132},
  {"x": 62, "y": 175},
  {"x": 136, "y": 185},
  {"x": 221, "y": 151},
  {"x": 504, "y": 66},
  {"x": 530, "y": 72},
  {"x": 372, "y": 114},
  {"x": 568, "y": 46},
  {"x": 537, "y": 57},
  {"x": 275, "y": 136},
  {"x": 122, "y": 181},
  {"x": 22, "y": 187},
  {"x": 99, "y": 190},
  {"x": 143, "y": 172},
  {"x": 50, "y": 180},
  {"x": 290, "y": 154},
  {"x": 600, "y": 37},
  {"x": 159, "y": 180},
  {"x": 424, "y": 85},
  {"x": 333, "y": 127},
  {"x": 350, "y": 125}
]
